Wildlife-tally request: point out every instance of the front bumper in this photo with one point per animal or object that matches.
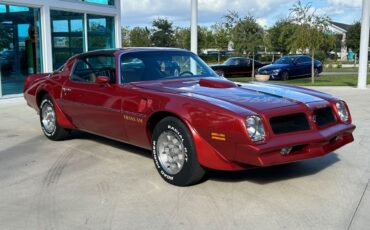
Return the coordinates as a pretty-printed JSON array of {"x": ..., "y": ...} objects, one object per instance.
[
  {"x": 306, "y": 145},
  {"x": 273, "y": 76}
]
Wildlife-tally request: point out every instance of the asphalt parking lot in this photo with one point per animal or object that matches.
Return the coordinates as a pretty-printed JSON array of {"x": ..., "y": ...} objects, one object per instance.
[{"x": 90, "y": 182}]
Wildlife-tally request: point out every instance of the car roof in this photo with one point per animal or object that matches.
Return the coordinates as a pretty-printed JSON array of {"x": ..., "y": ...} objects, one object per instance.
[
  {"x": 296, "y": 56},
  {"x": 126, "y": 50}
]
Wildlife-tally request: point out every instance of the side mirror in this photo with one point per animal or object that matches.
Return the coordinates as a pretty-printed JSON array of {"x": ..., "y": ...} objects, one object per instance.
[{"x": 102, "y": 80}]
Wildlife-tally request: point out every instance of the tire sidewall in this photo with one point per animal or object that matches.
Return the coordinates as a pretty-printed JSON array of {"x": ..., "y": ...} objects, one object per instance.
[
  {"x": 316, "y": 72},
  {"x": 183, "y": 177},
  {"x": 285, "y": 76},
  {"x": 48, "y": 101}
]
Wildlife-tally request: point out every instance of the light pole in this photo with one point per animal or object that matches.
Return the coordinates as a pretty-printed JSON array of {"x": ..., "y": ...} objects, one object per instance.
[
  {"x": 194, "y": 26},
  {"x": 364, "y": 45}
]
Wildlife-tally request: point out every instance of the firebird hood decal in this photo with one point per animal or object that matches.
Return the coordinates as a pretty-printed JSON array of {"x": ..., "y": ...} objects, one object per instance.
[{"x": 253, "y": 96}]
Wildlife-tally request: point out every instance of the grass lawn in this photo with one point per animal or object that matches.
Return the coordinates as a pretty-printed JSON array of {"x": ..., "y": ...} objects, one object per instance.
[{"x": 345, "y": 80}]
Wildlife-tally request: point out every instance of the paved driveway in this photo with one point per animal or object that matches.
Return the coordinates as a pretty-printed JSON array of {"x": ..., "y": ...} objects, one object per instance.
[{"x": 94, "y": 183}]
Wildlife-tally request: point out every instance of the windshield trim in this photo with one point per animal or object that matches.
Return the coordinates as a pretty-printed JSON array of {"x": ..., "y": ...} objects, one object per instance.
[{"x": 200, "y": 61}]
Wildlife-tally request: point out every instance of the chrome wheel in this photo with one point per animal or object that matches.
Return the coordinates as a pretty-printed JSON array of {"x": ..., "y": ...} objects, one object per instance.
[
  {"x": 48, "y": 118},
  {"x": 171, "y": 152}
]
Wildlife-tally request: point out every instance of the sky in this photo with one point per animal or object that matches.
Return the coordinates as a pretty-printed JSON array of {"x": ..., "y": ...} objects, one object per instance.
[{"x": 267, "y": 12}]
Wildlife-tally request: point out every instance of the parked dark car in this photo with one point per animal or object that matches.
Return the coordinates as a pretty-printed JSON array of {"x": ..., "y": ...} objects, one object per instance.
[
  {"x": 291, "y": 66},
  {"x": 236, "y": 66}
]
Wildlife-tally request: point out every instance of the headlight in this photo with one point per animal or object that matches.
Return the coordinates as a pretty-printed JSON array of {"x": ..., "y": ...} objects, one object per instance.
[
  {"x": 255, "y": 128},
  {"x": 276, "y": 71},
  {"x": 342, "y": 111}
]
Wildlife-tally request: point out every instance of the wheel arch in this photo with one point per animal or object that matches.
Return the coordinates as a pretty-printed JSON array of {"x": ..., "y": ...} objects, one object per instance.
[
  {"x": 62, "y": 119},
  {"x": 206, "y": 154},
  {"x": 40, "y": 95},
  {"x": 156, "y": 117}
]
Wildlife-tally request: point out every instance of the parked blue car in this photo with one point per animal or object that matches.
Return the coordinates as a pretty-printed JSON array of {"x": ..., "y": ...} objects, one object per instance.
[{"x": 290, "y": 67}]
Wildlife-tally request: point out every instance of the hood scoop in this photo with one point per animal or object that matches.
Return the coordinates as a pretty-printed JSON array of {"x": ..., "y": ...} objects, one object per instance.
[{"x": 216, "y": 83}]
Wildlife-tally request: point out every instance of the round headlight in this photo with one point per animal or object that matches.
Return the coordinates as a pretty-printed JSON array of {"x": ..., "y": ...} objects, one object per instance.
[
  {"x": 255, "y": 128},
  {"x": 276, "y": 71},
  {"x": 342, "y": 111}
]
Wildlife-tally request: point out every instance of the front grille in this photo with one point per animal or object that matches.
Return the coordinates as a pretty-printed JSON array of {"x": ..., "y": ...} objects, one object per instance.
[
  {"x": 324, "y": 116},
  {"x": 289, "y": 123}
]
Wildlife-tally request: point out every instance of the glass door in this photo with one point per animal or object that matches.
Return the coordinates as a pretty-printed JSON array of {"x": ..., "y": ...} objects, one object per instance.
[
  {"x": 20, "y": 46},
  {"x": 67, "y": 35}
]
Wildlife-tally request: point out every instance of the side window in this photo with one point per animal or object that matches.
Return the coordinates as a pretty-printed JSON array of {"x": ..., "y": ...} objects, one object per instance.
[
  {"x": 82, "y": 72},
  {"x": 245, "y": 62},
  {"x": 299, "y": 60},
  {"x": 132, "y": 70},
  {"x": 306, "y": 59},
  {"x": 88, "y": 69}
]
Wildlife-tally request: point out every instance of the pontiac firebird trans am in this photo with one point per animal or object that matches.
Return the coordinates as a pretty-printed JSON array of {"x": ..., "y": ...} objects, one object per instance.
[{"x": 170, "y": 101}]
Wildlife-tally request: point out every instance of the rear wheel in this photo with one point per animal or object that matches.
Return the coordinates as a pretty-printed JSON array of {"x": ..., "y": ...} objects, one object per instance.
[
  {"x": 316, "y": 72},
  {"x": 174, "y": 153},
  {"x": 285, "y": 76},
  {"x": 48, "y": 120}
]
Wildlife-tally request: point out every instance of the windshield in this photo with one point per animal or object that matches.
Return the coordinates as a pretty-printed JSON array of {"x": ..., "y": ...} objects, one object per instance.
[
  {"x": 285, "y": 60},
  {"x": 159, "y": 65},
  {"x": 231, "y": 61}
]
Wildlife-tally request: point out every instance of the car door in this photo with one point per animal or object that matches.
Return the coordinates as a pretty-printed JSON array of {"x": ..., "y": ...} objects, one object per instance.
[
  {"x": 245, "y": 67},
  {"x": 298, "y": 67},
  {"x": 235, "y": 67},
  {"x": 306, "y": 62},
  {"x": 94, "y": 107}
]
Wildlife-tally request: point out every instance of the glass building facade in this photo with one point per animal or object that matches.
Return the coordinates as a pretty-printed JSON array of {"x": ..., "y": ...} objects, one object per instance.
[
  {"x": 41, "y": 37},
  {"x": 20, "y": 46}
]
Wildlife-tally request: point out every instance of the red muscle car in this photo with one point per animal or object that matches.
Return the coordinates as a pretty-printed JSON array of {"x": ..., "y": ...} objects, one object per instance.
[{"x": 192, "y": 119}]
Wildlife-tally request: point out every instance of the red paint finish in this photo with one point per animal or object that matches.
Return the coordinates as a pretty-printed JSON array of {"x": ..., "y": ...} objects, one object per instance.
[{"x": 208, "y": 106}]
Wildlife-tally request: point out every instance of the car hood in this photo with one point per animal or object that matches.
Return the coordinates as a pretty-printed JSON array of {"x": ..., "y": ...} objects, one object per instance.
[
  {"x": 274, "y": 66},
  {"x": 253, "y": 96}
]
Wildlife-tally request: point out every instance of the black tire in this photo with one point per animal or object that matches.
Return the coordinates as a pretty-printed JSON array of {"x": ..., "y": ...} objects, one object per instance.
[
  {"x": 284, "y": 76},
  {"x": 191, "y": 171},
  {"x": 316, "y": 72},
  {"x": 55, "y": 133}
]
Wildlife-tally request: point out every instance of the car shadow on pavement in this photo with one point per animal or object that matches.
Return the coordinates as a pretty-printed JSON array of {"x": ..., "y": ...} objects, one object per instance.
[
  {"x": 109, "y": 142},
  {"x": 258, "y": 175},
  {"x": 276, "y": 173}
]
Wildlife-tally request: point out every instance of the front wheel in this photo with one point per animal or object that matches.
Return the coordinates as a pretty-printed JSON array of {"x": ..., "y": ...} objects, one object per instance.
[
  {"x": 48, "y": 120},
  {"x": 285, "y": 76},
  {"x": 174, "y": 153}
]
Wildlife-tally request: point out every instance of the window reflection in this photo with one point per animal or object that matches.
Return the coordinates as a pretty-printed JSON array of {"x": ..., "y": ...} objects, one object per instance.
[
  {"x": 67, "y": 35},
  {"x": 103, "y": 2},
  {"x": 20, "y": 46},
  {"x": 100, "y": 32}
]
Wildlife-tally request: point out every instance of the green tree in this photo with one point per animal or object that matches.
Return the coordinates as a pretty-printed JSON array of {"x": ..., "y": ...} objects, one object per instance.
[
  {"x": 311, "y": 31},
  {"x": 220, "y": 37},
  {"x": 248, "y": 35},
  {"x": 140, "y": 37},
  {"x": 125, "y": 32},
  {"x": 279, "y": 36},
  {"x": 163, "y": 33},
  {"x": 353, "y": 36},
  {"x": 182, "y": 38},
  {"x": 205, "y": 38}
]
